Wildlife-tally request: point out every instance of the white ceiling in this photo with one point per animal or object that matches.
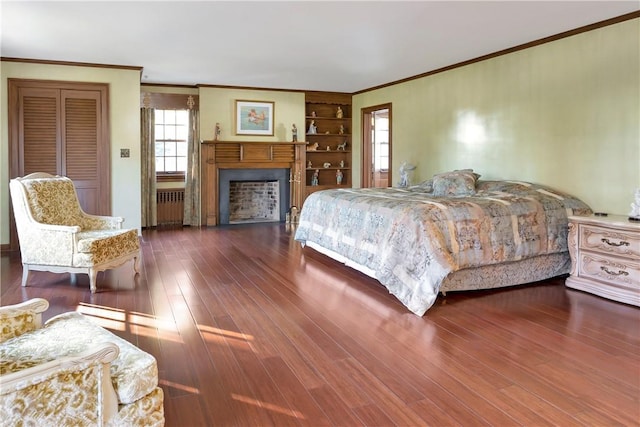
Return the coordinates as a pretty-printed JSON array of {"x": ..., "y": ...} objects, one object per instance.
[{"x": 342, "y": 46}]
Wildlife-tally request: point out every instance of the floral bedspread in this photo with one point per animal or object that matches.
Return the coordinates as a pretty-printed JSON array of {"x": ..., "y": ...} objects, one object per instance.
[{"x": 412, "y": 240}]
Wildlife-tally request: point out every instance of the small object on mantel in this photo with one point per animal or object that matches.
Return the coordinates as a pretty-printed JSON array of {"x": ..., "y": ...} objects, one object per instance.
[
  {"x": 600, "y": 213},
  {"x": 634, "y": 215},
  {"x": 218, "y": 130},
  {"x": 294, "y": 132}
]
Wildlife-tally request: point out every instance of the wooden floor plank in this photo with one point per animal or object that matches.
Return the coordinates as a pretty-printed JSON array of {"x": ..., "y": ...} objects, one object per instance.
[{"x": 250, "y": 329}]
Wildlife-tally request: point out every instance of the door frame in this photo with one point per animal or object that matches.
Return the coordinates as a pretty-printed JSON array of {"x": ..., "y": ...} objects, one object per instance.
[
  {"x": 366, "y": 159},
  {"x": 15, "y": 149}
]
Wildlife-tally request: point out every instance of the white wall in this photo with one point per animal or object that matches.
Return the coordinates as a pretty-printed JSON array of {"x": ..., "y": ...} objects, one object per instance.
[
  {"x": 124, "y": 117},
  {"x": 565, "y": 114}
]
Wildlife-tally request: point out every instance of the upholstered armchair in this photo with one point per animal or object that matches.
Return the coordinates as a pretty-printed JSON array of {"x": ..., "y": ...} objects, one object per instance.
[
  {"x": 56, "y": 235},
  {"x": 72, "y": 372}
]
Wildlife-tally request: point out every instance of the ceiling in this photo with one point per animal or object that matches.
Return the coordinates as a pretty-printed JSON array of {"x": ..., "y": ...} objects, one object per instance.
[{"x": 344, "y": 46}]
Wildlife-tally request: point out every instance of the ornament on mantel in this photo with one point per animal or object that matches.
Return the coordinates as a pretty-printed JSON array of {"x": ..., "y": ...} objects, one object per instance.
[{"x": 635, "y": 207}]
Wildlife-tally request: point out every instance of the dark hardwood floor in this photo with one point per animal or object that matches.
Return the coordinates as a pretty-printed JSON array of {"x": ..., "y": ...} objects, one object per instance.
[{"x": 249, "y": 329}]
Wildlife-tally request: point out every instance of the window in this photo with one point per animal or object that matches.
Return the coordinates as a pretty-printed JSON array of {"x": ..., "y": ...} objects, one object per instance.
[
  {"x": 380, "y": 137},
  {"x": 171, "y": 133}
]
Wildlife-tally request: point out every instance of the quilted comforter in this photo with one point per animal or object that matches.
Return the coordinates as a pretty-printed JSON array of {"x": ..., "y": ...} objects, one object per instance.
[{"x": 412, "y": 240}]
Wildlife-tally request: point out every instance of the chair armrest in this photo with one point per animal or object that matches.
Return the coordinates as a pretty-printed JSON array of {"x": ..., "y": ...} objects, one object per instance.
[
  {"x": 101, "y": 222},
  {"x": 21, "y": 318},
  {"x": 46, "y": 244},
  {"x": 56, "y": 383},
  {"x": 53, "y": 227}
]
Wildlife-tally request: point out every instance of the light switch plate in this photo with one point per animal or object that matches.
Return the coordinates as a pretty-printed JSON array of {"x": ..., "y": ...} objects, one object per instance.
[{"x": 124, "y": 152}]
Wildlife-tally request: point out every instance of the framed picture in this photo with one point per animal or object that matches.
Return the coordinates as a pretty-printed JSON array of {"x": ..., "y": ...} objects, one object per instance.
[{"x": 254, "y": 118}]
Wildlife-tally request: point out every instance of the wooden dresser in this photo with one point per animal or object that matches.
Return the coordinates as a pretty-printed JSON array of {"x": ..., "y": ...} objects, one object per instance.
[{"x": 605, "y": 257}]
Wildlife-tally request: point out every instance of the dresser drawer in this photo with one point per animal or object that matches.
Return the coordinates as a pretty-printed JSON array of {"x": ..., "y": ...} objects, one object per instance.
[
  {"x": 617, "y": 271},
  {"x": 610, "y": 241}
]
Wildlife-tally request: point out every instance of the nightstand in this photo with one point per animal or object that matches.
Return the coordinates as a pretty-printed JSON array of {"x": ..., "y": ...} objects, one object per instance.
[{"x": 605, "y": 257}]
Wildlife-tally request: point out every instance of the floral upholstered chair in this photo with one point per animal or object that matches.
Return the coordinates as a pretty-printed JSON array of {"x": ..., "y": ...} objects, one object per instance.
[
  {"x": 72, "y": 372},
  {"x": 56, "y": 235}
]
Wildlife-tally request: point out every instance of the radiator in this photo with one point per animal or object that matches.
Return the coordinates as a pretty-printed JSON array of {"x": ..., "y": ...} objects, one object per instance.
[{"x": 170, "y": 206}]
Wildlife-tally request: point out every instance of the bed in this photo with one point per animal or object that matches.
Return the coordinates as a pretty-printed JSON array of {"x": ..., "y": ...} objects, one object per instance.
[{"x": 453, "y": 232}]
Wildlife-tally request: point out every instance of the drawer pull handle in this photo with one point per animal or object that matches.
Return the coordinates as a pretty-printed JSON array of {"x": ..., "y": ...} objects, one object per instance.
[
  {"x": 619, "y": 273},
  {"x": 610, "y": 243}
]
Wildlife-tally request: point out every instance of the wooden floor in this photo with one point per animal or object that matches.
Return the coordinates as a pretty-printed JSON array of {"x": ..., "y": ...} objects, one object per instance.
[{"x": 251, "y": 330}]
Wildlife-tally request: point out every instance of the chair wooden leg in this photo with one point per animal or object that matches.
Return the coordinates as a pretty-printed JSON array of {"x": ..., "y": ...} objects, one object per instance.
[
  {"x": 136, "y": 265},
  {"x": 25, "y": 274},
  {"x": 92, "y": 280}
]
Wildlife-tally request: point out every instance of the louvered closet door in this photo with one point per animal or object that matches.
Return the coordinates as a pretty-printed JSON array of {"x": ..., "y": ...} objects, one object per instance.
[
  {"x": 62, "y": 131},
  {"x": 81, "y": 153},
  {"x": 39, "y": 138}
]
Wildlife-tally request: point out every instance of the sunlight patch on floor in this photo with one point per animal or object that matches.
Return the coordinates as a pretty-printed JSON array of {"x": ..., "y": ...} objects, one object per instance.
[{"x": 137, "y": 323}]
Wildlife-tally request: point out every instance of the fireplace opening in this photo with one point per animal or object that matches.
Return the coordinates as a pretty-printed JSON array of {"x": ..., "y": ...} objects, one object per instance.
[
  {"x": 253, "y": 195},
  {"x": 254, "y": 201}
]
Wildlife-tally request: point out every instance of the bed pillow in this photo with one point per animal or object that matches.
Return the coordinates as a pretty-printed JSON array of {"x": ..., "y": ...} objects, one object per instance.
[
  {"x": 456, "y": 183},
  {"x": 423, "y": 187}
]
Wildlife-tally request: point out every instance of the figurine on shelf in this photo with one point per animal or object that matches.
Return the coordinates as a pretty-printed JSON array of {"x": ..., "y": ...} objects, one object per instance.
[
  {"x": 341, "y": 163},
  {"x": 342, "y": 146},
  {"x": 216, "y": 136},
  {"x": 326, "y": 165},
  {"x": 341, "y": 131},
  {"x": 328, "y": 148},
  {"x": 339, "y": 177},
  {"x": 309, "y": 164},
  {"x": 314, "y": 178},
  {"x": 339, "y": 113},
  {"x": 313, "y": 129},
  {"x": 294, "y": 132},
  {"x": 313, "y": 114},
  {"x": 312, "y": 147}
]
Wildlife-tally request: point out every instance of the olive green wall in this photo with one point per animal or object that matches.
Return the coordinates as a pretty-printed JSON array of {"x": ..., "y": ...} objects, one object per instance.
[
  {"x": 124, "y": 117},
  {"x": 217, "y": 105},
  {"x": 565, "y": 113}
]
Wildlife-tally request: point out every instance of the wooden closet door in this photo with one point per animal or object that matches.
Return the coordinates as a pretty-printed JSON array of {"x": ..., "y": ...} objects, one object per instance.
[
  {"x": 39, "y": 133},
  {"x": 82, "y": 153},
  {"x": 62, "y": 128}
]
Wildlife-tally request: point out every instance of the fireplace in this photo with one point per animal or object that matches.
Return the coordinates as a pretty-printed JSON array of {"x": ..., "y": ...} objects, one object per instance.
[
  {"x": 253, "y": 195},
  {"x": 253, "y": 163}
]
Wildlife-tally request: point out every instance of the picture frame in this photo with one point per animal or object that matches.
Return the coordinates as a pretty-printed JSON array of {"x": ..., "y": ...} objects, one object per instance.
[{"x": 254, "y": 117}]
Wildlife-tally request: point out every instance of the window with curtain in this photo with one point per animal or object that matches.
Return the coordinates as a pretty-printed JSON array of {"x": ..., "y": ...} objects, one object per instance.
[{"x": 171, "y": 147}]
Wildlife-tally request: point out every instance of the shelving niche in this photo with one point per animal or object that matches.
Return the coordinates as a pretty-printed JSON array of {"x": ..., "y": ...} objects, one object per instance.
[{"x": 321, "y": 108}]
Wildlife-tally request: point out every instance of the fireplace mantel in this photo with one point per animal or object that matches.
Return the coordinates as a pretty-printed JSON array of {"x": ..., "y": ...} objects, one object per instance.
[{"x": 218, "y": 155}]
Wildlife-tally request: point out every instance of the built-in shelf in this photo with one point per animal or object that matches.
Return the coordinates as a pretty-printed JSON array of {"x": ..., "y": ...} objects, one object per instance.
[{"x": 325, "y": 106}]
